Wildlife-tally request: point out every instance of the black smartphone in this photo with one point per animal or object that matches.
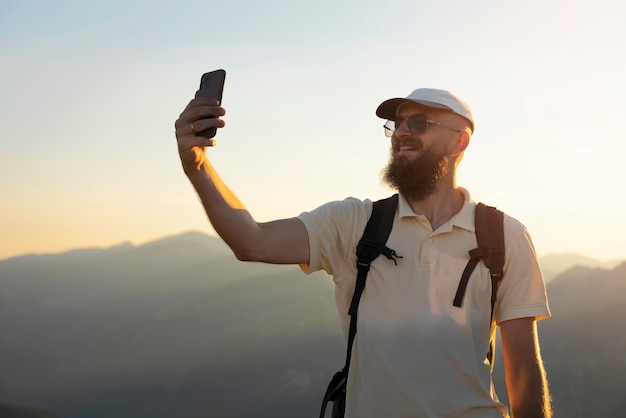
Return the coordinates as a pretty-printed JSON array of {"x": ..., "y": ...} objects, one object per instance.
[{"x": 212, "y": 86}]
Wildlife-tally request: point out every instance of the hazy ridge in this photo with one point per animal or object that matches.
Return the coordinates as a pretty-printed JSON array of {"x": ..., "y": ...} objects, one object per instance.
[
  {"x": 178, "y": 327},
  {"x": 16, "y": 411}
]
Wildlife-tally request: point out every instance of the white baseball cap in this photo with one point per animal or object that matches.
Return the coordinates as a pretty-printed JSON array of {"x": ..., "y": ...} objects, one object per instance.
[{"x": 441, "y": 99}]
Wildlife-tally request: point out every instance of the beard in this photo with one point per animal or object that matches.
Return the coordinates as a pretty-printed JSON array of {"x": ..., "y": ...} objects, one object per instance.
[{"x": 416, "y": 178}]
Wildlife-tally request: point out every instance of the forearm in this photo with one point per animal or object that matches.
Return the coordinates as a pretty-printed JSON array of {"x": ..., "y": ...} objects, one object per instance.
[
  {"x": 526, "y": 379},
  {"x": 282, "y": 241},
  {"x": 229, "y": 217},
  {"x": 529, "y": 394}
]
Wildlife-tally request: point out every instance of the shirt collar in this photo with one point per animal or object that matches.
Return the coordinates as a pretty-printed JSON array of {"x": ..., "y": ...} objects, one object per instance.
[{"x": 463, "y": 219}]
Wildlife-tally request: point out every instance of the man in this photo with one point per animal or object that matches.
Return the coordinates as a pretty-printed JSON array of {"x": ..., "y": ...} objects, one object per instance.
[{"x": 415, "y": 355}]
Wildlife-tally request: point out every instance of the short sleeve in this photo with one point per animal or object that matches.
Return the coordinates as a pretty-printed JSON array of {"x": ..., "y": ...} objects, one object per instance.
[{"x": 522, "y": 292}]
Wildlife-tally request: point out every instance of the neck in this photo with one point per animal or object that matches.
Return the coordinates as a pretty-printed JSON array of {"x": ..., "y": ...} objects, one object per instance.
[{"x": 440, "y": 206}]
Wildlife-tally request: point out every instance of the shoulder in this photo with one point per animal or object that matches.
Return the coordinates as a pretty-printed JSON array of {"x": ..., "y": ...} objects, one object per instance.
[
  {"x": 340, "y": 211},
  {"x": 512, "y": 227},
  {"x": 517, "y": 239},
  {"x": 515, "y": 231},
  {"x": 333, "y": 229}
]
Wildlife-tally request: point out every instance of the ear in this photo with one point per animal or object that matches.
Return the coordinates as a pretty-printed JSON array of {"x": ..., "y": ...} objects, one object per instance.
[{"x": 462, "y": 141}]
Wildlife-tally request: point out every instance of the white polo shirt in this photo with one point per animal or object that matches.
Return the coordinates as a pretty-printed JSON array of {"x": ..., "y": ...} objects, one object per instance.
[{"x": 415, "y": 354}]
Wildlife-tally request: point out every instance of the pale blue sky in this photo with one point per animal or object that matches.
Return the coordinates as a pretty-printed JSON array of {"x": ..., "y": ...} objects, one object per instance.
[{"x": 89, "y": 92}]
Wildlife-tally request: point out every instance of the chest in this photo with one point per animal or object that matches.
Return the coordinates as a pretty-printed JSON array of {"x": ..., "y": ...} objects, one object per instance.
[{"x": 422, "y": 284}]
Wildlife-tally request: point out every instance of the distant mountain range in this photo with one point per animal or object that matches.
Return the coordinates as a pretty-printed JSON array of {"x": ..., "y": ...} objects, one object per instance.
[
  {"x": 179, "y": 327},
  {"x": 193, "y": 245},
  {"x": 16, "y": 411},
  {"x": 556, "y": 263}
]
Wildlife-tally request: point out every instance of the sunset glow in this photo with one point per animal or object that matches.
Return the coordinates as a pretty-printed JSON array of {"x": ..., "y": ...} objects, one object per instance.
[{"x": 90, "y": 93}]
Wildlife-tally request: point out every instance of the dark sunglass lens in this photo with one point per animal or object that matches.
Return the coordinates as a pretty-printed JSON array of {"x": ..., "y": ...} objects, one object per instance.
[{"x": 417, "y": 124}]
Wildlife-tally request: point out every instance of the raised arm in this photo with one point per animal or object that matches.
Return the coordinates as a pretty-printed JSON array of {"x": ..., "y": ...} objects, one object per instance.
[
  {"x": 282, "y": 242},
  {"x": 523, "y": 367}
]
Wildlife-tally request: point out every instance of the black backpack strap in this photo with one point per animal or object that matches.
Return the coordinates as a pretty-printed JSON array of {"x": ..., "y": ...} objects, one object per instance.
[
  {"x": 490, "y": 240},
  {"x": 371, "y": 245},
  {"x": 495, "y": 260}
]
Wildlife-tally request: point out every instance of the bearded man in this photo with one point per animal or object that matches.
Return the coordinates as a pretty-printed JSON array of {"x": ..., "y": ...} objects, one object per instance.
[{"x": 415, "y": 354}]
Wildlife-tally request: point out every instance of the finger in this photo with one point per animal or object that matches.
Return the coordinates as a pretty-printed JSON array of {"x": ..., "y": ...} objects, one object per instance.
[
  {"x": 189, "y": 142},
  {"x": 204, "y": 124},
  {"x": 200, "y": 108},
  {"x": 185, "y": 129},
  {"x": 197, "y": 113},
  {"x": 193, "y": 103}
]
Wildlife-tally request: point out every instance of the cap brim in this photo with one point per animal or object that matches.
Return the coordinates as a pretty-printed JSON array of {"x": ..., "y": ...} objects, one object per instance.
[{"x": 388, "y": 108}]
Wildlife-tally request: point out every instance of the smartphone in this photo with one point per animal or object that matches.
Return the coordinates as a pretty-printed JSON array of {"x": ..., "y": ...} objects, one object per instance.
[{"x": 212, "y": 86}]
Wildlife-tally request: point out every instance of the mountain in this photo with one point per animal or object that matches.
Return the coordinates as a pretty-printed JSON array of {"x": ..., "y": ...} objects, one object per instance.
[
  {"x": 587, "y": 342},
  {"x": 172, "y": 328},
  {"x": 179, "y": 327},
  {"x": 15, "y": 411},
  {"x": 583, "y": 344},
  {"x": 179, "y": 248},
  {"x": 555, "y": 263}
]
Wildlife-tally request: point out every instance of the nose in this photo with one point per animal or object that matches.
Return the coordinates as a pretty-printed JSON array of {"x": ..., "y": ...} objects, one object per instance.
[{"x": 402, "y": 128}]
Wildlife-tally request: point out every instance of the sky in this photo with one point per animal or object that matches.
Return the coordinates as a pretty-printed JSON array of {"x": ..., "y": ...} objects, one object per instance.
[{"x": 90, "y": 91}]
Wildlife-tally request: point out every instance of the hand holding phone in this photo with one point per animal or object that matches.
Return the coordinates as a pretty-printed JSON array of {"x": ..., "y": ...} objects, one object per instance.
[{"x": 212, "y": 86}]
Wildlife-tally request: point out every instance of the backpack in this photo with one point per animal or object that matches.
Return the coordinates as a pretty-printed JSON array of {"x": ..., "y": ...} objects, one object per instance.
[{"x": 490, "y": 240}]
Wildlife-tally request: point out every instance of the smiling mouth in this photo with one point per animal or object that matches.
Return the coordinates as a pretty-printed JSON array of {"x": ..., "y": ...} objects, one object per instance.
[
  {"x": 415, "y": 145},
  {"x": 409, "y": 148}
]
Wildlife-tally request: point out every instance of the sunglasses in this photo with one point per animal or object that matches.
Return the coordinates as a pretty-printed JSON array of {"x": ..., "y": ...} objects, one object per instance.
[{"x": 417, "y": 124}]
